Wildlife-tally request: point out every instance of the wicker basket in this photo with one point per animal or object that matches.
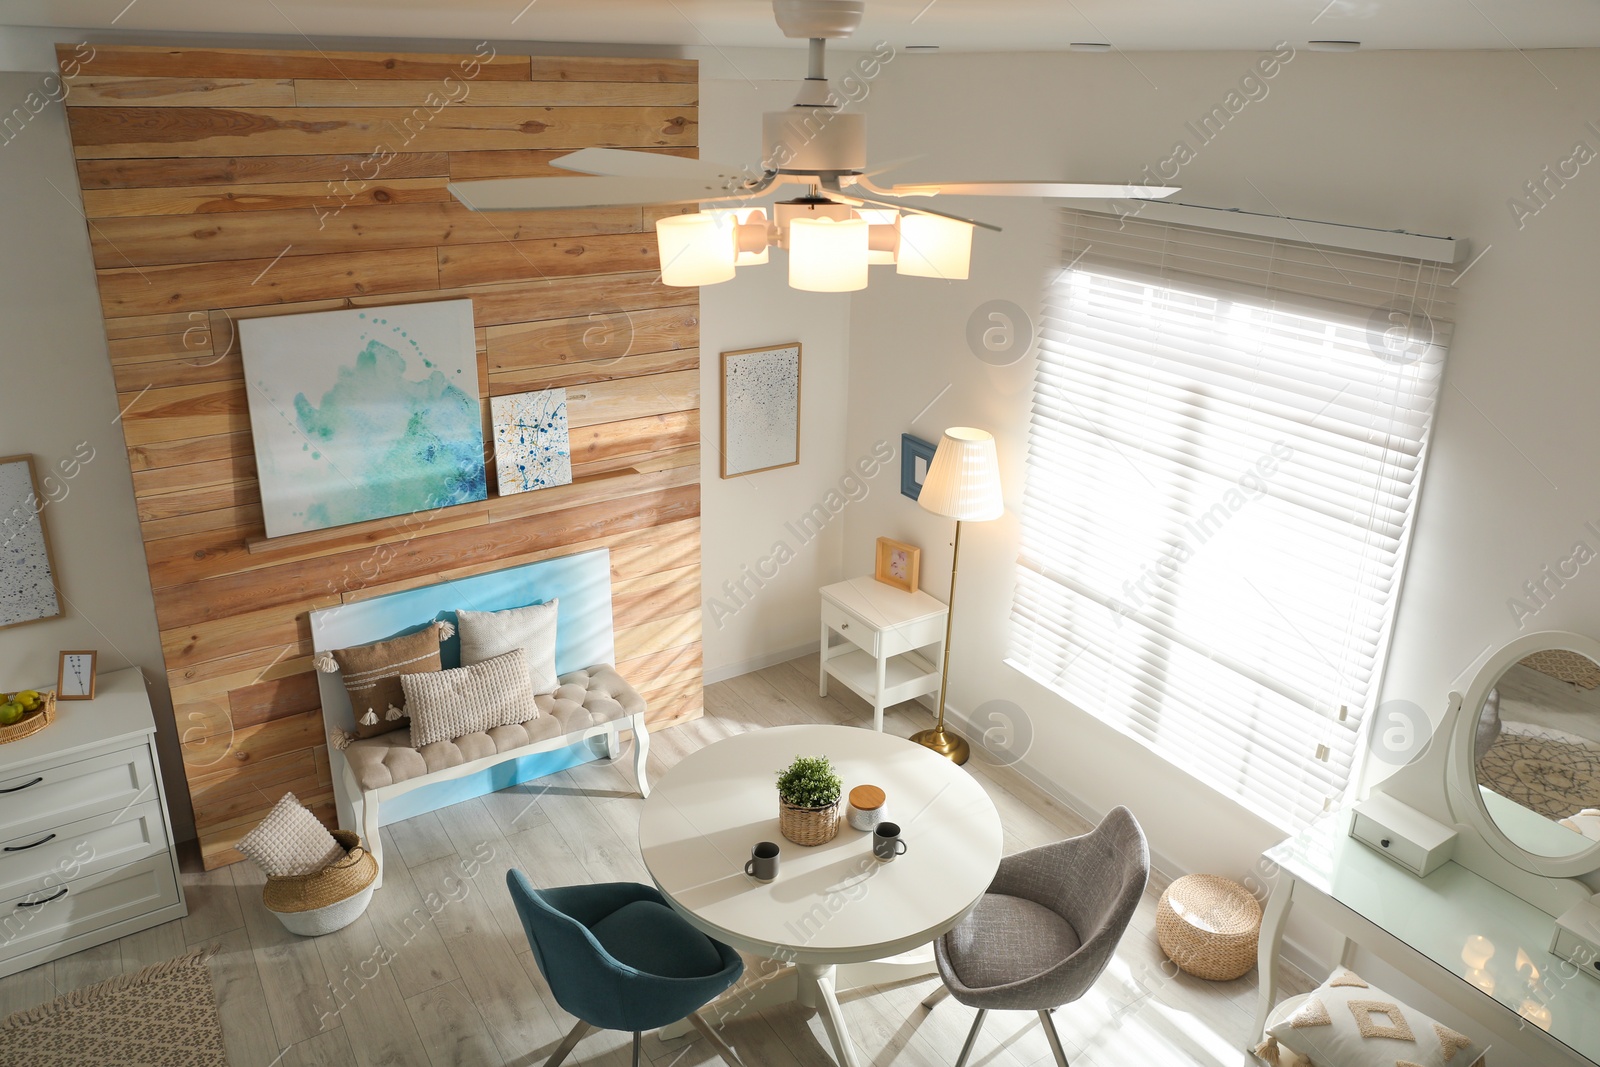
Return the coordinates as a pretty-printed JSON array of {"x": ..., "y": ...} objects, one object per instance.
[
  {"x": 31, "y": 723},
  {"x": 808, "y": 826},
  {"x": 331, "y": 898},
  {"x": 1209, "y": 926}
]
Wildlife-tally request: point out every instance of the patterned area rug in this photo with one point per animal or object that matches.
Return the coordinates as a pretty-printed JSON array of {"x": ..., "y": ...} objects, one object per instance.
[
  {"x": 1553, "y": 773},
  {"x": 163, "y": 1016}
]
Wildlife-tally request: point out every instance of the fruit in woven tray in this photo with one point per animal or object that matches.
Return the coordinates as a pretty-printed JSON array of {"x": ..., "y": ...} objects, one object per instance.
[
  {"x": 29, "y": 699},
  {"x": 11, "y": 713}
]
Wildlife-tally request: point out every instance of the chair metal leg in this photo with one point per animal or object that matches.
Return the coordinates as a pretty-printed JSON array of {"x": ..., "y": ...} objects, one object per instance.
[
  {"x": 972, "y": 1037},
  {"x": 638, "y": 1040},
  {"x": 937, "y": 995},
  {"x": 730, "y": 1057},
  {"x": 568, "y": 1043},
  {"x": 1055, "y": 1039}
]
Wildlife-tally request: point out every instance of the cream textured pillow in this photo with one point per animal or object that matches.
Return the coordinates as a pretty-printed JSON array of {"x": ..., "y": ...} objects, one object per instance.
[
  {"x": 445, "y": 705},
  {"x": 487, "y": 634},
  {"x": 1346, "y": 1022},
  {"x": 290, "y": 841}
]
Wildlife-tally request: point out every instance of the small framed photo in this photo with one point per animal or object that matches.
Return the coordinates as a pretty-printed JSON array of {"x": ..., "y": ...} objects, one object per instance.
[
  {"x": 899, "y": 564},
  {"x": 75, "y": 676},
  {"x": 915, "y": 455}
]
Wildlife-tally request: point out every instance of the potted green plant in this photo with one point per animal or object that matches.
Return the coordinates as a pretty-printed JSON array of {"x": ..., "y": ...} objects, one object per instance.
[{"x": 808, "y": 801}]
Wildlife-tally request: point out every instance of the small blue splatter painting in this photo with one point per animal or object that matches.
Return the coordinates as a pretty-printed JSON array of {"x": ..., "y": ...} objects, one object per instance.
[{"x": 531, "y": 446}]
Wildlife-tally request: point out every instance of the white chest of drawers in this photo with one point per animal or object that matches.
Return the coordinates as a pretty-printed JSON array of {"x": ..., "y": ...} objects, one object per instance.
[{"x": 86, "y": 852}]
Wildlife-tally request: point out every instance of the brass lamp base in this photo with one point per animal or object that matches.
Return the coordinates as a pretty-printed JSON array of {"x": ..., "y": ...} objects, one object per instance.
[{"x": 945, "y": 743}]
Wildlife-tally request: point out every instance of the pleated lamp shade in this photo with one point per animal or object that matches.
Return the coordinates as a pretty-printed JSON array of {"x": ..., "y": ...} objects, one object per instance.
[{"x": 963, "y": 481}]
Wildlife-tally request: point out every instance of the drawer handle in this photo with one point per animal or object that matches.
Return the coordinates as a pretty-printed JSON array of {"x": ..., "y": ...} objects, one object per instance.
[
  {"x": 844, "y": 626},
  {"x": 41, "y": 903},
  {"x": 1384, "y": 842},
  {"x": 24, "y": 785},
  {"x": 36, "y": 844}
]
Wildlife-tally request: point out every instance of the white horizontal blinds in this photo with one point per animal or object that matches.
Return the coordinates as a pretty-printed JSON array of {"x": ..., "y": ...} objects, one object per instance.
[{"x": 1223, "y": 465}]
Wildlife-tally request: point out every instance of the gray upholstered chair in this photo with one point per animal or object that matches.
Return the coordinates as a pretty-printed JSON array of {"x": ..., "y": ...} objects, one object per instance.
[{"x": 1047, "y": 927}]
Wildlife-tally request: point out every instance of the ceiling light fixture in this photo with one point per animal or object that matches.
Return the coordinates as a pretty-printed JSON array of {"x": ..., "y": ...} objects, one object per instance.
[{"x": 1333, "y": 46}]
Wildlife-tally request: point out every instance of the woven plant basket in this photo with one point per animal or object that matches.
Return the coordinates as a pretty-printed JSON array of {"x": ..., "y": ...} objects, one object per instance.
[
  {"x": 31, "y": 723},
  {"x": 1209, "y": 926},
  {"x": 808, "y": 826},
  {"x": 331, "y": 898}
]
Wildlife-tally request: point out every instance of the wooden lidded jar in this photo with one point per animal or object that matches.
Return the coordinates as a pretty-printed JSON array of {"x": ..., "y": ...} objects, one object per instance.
[{"x": 867, "y": 807}]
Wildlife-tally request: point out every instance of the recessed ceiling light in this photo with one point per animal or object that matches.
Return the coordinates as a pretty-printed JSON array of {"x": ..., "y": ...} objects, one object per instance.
[
  {"x": 1089, "y": 46},
  {"x": 922, "y": 48},
  {"x": 1334, "y": 46}
]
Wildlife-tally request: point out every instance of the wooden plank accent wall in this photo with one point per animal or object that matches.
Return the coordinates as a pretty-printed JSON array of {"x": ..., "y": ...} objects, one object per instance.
[{"x": 221, "y": 184}]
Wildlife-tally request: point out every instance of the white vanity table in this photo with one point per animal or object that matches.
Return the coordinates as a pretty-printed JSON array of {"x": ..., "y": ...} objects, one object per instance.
[{"x": 1477, "y": 931}]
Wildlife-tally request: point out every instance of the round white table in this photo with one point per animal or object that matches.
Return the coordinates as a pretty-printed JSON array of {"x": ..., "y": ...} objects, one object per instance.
[{"x": 831, "y": 904}]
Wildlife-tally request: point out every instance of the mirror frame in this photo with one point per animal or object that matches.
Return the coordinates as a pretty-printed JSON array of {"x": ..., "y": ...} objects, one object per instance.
[{"x": 1466, "y": 802}]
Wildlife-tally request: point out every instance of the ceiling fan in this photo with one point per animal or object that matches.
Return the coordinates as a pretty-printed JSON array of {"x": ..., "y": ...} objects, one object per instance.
[{"x": 840, "y": 225}]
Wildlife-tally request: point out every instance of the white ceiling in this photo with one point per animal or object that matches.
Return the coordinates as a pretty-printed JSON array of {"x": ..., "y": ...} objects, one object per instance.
[{"x": 954, "y": 25}]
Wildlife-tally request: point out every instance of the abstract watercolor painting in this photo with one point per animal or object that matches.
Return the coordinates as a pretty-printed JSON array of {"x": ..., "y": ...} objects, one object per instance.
[
  {"x": 27, "y": 579},
  {"x": 760, "y": 409},
  {"x": 531, "y": 449},
  {"x": 364, "y": 414}
]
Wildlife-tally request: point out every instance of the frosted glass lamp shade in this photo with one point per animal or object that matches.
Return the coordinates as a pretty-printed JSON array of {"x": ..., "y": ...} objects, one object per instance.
[
  {"x": 695, "y": 249},
  {"x": 934, "y": 247},
  {"x": 963, "y": 481},
  {"x": 828, "y": 256}
]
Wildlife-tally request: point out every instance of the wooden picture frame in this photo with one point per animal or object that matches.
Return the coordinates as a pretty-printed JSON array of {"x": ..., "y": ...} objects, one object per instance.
[
  {"x": 898, "y": 564},
  {"x": 75, "y": 680},
  {"x": 24, "y": 546},
  {"x": 757, "y": 410}
]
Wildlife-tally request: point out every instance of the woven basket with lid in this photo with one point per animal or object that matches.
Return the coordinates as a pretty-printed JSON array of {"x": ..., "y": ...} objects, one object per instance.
[
  {"x": 1209, "y": 926},
  {"x": 340, "y": 881}
]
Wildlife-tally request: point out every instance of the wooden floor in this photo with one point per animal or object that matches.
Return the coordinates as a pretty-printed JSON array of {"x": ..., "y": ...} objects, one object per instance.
[{"x": 438, "y": 970}]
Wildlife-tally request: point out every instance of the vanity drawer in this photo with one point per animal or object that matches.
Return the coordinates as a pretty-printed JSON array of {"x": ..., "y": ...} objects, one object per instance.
[
  {"x": 1403, "y": 834},
  {"x": 100, "y": 843},
  {"x": 66, "y": 909},
  {"x": 40, "y": 801},
  {"x": 1577, "y": 938},
  {"x": 852, "y": 626}
]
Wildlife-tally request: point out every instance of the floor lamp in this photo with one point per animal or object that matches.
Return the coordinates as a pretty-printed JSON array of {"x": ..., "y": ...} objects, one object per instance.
[{"x": 963, "y": 483}]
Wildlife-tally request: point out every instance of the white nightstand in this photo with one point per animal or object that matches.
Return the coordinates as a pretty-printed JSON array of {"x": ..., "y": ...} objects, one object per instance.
[{"x": 893, "y": 642}]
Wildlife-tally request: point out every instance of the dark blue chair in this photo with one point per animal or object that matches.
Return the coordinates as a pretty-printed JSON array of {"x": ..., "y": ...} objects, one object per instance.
[{"x": 619, "y": 958}]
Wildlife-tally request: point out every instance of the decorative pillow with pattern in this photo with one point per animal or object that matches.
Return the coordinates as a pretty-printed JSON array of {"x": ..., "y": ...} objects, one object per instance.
[
  {"x": 445, "y": 705},
  {"x": 487, "y": 634},
  {"x": 290, "y": 841},
  {"x": 1345, "y": 1022},
  {"x": 372, "y": 675}
]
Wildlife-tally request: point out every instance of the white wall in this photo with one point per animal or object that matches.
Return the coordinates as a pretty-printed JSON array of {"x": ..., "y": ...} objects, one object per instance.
[
  {"x": 57, "y": 402},
  {"x": 1430, "y": 142}
]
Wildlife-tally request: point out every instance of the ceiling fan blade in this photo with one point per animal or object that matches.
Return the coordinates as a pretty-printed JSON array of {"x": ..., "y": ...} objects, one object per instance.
[
  {"x": 547, "y": 194},
  {"x": 1069, "y": 190},
  {"x": 916, "y": 210},
  {"x": 625, "y": 163}
]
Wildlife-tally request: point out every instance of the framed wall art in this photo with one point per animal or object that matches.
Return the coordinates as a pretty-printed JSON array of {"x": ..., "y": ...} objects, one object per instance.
[
  {"x": 760, "y": 409},
  {"x": 28, "y": 577},
  {"x": 532, "y": 448},
  {"x": 363, "y": 414},
  {"x": 75, "y": 674},
  {"x": 898, "y": 564},
  {"x": 915, "y": 455}
]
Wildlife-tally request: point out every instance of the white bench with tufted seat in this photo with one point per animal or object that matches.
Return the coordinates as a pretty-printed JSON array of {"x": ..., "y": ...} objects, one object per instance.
[{"x": 383, "y": 779}]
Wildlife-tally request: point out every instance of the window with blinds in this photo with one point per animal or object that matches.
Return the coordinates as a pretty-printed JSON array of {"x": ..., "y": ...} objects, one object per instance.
[{"x": 1223, "y": 465}]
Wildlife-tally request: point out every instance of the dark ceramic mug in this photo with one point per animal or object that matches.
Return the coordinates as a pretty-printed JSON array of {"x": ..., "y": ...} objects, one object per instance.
[
  {"x": 763, "y": 865},
  {"x": 886, "y": 842}
]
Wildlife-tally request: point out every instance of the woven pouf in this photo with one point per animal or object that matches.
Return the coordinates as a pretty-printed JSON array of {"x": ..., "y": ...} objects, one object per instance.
[
  {"x": 1209, "y": 926},
  {"x": 328, "y": 900}
]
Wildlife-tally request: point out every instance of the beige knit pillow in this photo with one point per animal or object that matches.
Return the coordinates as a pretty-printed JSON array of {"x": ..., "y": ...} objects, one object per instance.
[
  {"x": 487, "y": 634},
  {"x": 290, "y": 841},
  {"x": 445, "y": 705}
]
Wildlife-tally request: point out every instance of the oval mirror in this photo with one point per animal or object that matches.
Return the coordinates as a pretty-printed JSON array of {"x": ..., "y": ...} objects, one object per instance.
[{"x": 1536, "y": 753}]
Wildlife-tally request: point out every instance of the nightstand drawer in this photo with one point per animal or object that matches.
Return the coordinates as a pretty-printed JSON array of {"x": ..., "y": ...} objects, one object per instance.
[
  {"x": 909, "y": 635},
  {"x": 74, "y": 850},
  {"x": 67, "y": 909},
  {"x": 45, "y": 799},
  {"x": 859, "y": 632}
]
